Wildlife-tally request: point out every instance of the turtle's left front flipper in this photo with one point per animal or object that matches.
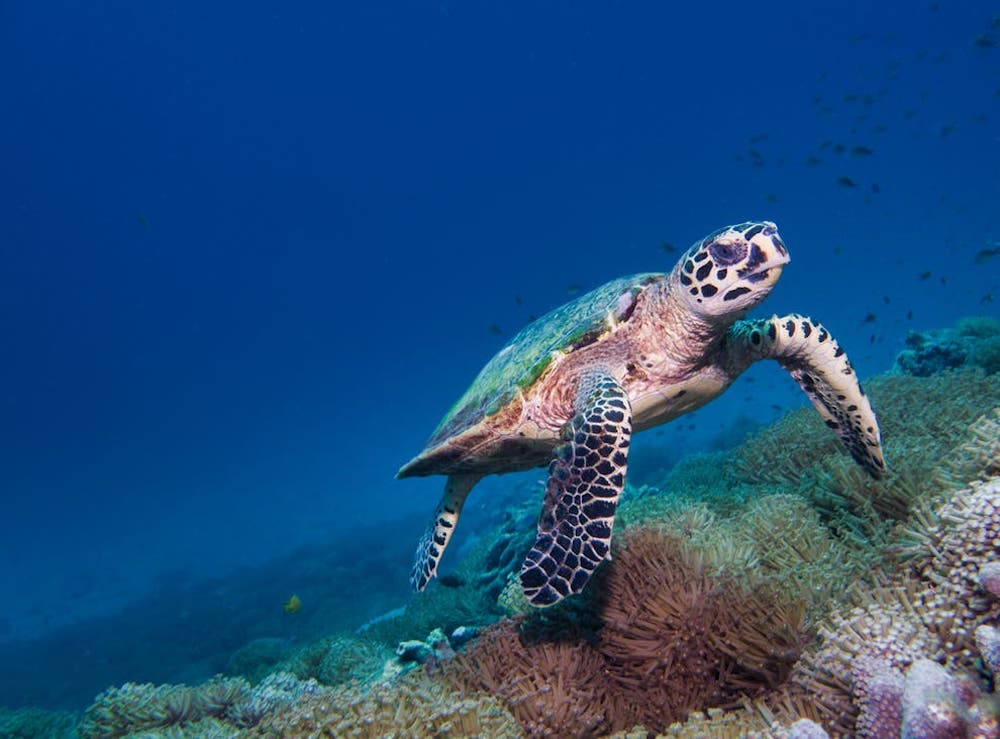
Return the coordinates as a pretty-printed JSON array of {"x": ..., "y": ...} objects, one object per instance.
[
  {"x": 808, "y": 352},
  {"x": 585, "y": 480}
]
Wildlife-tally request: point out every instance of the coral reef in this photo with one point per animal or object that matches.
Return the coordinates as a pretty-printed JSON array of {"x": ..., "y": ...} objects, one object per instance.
[
  {"x": 672, "y": 638},
  {"x": 338, "y": 659},
  {"x": 773, "y": 591},
  {"x": 28, "y": 723},
  {"x": 257, "y": 658},
  {"x": 677, "y": 639},
  {"x": 972, "y": 342},
  {"x": 553, "y": 688},
  {"x": 132, "y": 708},
  {"x": 415, "y": 705}
]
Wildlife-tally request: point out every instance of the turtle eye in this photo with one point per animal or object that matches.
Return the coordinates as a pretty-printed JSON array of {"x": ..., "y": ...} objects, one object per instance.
[{"x": 726, "y": 253}]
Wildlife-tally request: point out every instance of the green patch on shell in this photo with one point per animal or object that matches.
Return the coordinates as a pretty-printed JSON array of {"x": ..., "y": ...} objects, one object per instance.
[{"x": 519, "y": 365}]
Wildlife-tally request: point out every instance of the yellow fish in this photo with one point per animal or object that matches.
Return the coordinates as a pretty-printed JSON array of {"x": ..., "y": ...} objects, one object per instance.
[{"x": 293, "y": 604}]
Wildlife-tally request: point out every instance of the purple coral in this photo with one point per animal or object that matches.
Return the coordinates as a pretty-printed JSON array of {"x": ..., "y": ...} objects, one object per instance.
[
  {"x": 806, "y": 729},
  {"x": 878, "y": 692},
  {"x": 932, "y": 705},
  {"x": 989, "y": 578},
  {"x": 988, "y": 642}
]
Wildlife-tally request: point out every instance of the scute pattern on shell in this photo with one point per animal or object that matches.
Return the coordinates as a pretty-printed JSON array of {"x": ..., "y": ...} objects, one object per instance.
[{"x": 521, "y": 362}]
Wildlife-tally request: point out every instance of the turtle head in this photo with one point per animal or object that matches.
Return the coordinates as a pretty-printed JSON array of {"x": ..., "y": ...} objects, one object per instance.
[{"x": 731, "y": 270}]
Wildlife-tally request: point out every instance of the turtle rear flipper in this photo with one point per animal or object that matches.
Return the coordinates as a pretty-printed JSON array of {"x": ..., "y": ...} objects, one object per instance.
[
  {"x": 435, "y": 539},
  {"x": 813, "y": 357},
  {"x": 586, "y": 479}
]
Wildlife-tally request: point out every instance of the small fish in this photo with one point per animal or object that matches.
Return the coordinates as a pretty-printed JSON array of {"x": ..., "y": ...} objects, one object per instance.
[
  {"x": 862, "y": 151},
  {"x": 925, "y": 276},
  {"x": 846, "y": 182},
  {"x": 142, "y": 220},
  {"x": 494, "y": 329},
  {"x": 519, "y": 300},
  {"x": 985, "y": 255},
  {"x": 880, "y": 128},
  {"x": 987, "y": 298},
  {"x": 292, "y": 605},
  {"x": 812, "y": 161},
  {"x": 984, "y": 41},
  {"x": 668, "y": 247},
  {"x": 757, "y": 138},
  {"x": 870, "y": 318},
  {"x": 909, "y": 315},
  {"x": 886, "y": 299},
  {"x": 947, "y": 130},
  {"x": 875, "y": 188},
  {"x": 770, "y": 198},
  {"x": 838, "y": 250},
  {"x": 451, "y": 581},
  {"x": 574, "y": 289},
  {"x": 775, "y": 407},
  {"x": 839, "y": 149}
]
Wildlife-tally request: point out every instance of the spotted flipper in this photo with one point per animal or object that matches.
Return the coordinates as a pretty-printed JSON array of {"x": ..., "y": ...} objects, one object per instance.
[
  {"x": 585, "y": 480},
  {"x": 808, "y": 352},
  {"x": 435, "y": 539}
]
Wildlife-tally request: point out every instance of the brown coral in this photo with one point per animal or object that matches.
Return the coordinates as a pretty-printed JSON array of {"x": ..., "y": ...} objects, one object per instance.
[
  {"x": 677, "y": 639},
  {"x": 673, "y": 638},
  {"x": 553, "y": 688}
]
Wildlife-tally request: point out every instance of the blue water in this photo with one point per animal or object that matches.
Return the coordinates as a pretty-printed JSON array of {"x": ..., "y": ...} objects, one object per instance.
[{"x": 250, "y": 253}]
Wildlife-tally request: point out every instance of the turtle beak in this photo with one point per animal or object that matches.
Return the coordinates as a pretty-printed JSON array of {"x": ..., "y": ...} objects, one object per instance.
[{"x": 776, "y": 256}]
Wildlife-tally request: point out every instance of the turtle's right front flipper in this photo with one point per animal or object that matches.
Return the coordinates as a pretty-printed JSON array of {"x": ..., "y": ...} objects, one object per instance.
[
  {"x": 585, "y": 480},
  {"x": 816, "y": 361},
  {"x": 432, "y": 544}
]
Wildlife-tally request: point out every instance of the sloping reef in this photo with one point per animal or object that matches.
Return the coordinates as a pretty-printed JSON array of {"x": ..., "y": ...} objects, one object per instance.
[{"x": 772, "y": 590}]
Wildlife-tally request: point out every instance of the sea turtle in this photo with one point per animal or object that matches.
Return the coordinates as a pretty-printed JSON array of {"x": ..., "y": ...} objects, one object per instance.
[{"x": 570, "y": 388}]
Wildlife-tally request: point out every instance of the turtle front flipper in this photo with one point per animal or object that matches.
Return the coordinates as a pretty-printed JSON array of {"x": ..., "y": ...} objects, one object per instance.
[
  {"x": 435, "y": 539},
  {"x": 808, "y": 352},
  {"x": 586, "y": 479}
]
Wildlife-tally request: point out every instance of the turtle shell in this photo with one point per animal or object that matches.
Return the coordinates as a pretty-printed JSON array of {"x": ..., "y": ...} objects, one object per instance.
[{"x": 524, "y": 359}]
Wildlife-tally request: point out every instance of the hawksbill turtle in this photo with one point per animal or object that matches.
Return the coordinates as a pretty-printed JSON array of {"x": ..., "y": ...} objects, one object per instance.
[{"x": 570, "y": 389}]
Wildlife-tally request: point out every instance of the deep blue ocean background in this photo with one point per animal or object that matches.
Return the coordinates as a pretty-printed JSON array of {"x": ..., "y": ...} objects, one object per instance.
[{"x": 251, "y": 252}]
